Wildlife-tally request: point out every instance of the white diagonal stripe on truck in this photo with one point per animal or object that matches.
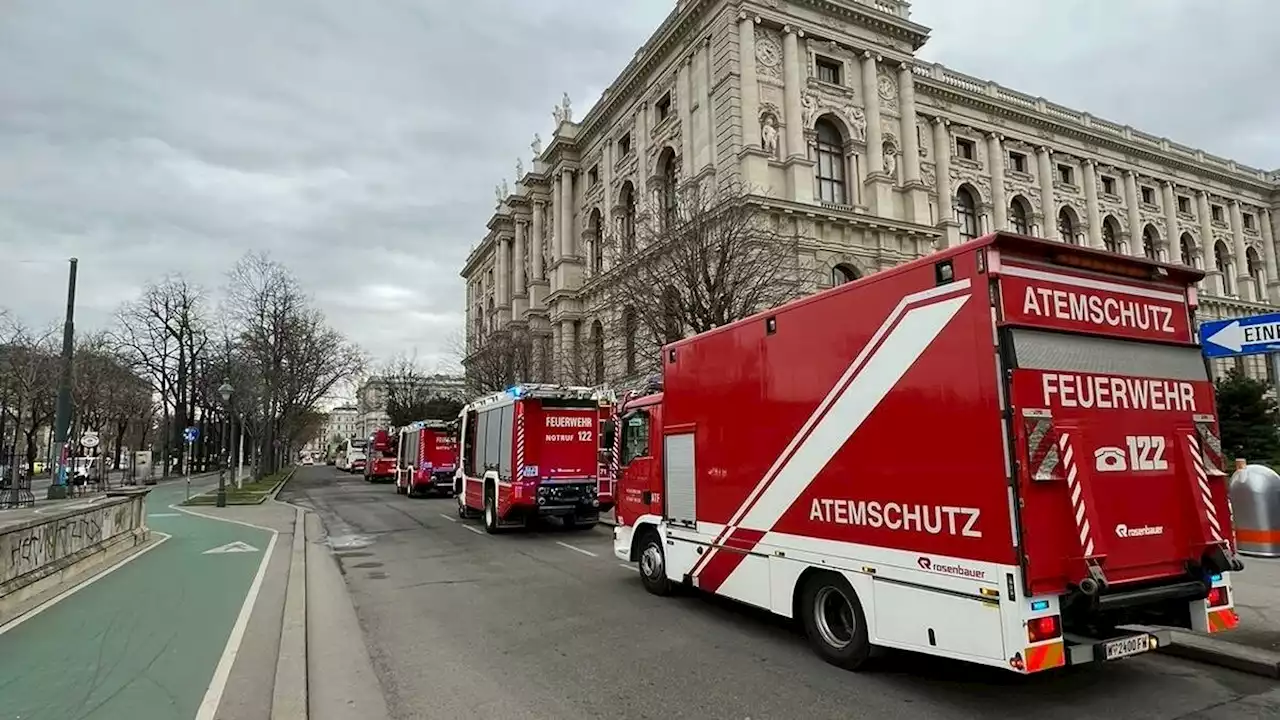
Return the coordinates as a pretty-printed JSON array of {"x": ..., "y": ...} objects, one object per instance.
[{"x": 875, "y": 372}]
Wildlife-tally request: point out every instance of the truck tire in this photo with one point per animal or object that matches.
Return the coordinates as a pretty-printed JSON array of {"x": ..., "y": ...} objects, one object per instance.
[
  {"x": 463, "y": 511},
  {"x": 834, "y": 622},
  {"x": 490, "y": 510},
  {"x": 652, "y": 561}
]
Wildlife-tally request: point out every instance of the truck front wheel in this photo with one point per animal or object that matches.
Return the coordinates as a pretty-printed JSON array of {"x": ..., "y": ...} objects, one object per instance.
[
  {"x": 490, "y": 511},
  {"x": 653, "y": 564},
  {"x": 834, "y": 621}
]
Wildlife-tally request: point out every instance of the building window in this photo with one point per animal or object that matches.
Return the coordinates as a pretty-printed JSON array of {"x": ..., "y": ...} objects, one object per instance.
[
  {"x": 593, "y": 176},
  {"x": 1067, "y": 225},
  {"x": 667, "y": 163},
  {"x": 830, "y": 167},
  {"x": 1188, "y": 250},
  {"x": 628, "y": 202},
  {"x": 1215, "y": 212},
  {"x": 1254, "y": 264},
  {"x": 967, "y": 214},
  {"x": 966, "y": 149},
  {"x": 1247, "y": 219},
  {"x": 595, "y": 232},
  {"x": 629, "y": 339},
  {"x": 624, "y": 145},
  {"x": 1148, "y": 196},
  {"x": 841, "y": 274},
  {"x": 828, "y": 70},
  {"x": 1222, "y": 263},
  {"x": 1150, "y": 241},
  {"x": 1109, "y": 240},
  {"x": 662, "y": 108},
  {"x": 1184, "y": 204},
  {"x": 1108, "y": 185},
  {"x": 1017, "y": 162},
  {"x": 1019, "y": 217},
  {"x": 597, "y": 351},
  {"x": 1066, "y": 174}
]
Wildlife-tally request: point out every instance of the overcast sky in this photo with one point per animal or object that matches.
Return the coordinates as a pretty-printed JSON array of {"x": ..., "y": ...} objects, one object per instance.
[{"x": 360, "y": 142}]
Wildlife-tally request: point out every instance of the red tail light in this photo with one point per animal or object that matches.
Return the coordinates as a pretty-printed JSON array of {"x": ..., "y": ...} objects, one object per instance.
[
  {"x": 1043, "y": 628},
  {"x": 1218, "y": 597}
]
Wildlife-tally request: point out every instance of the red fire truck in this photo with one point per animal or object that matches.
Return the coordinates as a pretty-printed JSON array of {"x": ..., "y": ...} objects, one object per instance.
[
  {"x": 1005, "y": 453},
  {"x": 381, "y": 462},
  {"x": 428, "y": 457},
  {"x": 536, "y": 451}
]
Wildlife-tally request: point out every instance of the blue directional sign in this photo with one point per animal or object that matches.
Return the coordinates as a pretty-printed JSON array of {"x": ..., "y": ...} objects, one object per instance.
[
  {"x": 191, "y": 433},
  {"x": 1241, "y": 336}
]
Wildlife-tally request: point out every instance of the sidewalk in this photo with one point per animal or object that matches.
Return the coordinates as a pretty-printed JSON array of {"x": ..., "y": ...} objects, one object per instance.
[
  {"x": 154, "y": 637},
  {"x": 1254, "y": 646}
]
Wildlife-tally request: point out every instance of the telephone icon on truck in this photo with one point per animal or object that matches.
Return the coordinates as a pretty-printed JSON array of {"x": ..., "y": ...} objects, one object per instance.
[{"x": 1110, "y": 459}]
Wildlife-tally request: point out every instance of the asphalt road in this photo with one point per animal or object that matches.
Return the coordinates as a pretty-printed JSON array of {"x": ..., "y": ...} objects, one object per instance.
[{"x": 549, "y": 625}]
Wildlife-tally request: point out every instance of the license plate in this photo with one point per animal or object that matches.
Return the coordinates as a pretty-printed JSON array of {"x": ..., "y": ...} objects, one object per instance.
[{"x": 1125, "y": 647}]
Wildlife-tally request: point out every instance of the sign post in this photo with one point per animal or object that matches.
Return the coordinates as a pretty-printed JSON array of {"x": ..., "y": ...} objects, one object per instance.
[{"x": 190, "y": 435}]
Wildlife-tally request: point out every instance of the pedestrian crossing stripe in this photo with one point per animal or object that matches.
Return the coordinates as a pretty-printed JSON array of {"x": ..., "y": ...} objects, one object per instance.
[{"x": 232, "y": 547}]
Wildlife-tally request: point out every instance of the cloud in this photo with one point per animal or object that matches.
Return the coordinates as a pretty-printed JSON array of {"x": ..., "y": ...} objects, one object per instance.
[{"x": 359, "y": 143}]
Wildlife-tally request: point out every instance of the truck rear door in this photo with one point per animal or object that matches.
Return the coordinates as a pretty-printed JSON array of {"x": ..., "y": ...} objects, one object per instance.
[
  {"x": 1119, "y": 473},
  {"x": 440, "y": 448},
  {"x": 565, "y": 435}
]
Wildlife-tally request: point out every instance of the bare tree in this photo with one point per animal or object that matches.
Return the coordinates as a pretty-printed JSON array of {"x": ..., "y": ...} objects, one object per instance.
[
  {"x": 496, "y": 361},
  {"x": 409, "y": 394},
  {"x": 28, "y": 384},
  {"x": 692, "y": 259},
  {"x": 287, "y": 345}
]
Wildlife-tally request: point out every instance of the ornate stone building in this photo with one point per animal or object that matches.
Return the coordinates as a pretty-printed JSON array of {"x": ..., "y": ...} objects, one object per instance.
[{"x": 869, "y": 155}]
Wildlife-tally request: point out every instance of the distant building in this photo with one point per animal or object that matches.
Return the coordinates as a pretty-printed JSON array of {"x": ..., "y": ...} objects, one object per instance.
[
  {"x": 371, "y": 397},
  {"x": 342, "y": 421}
]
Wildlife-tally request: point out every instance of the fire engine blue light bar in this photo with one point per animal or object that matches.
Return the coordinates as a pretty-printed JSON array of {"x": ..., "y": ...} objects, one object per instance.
[
  {"x": 1215, "y": 578},
  {"x": 1039, "y": 605}
]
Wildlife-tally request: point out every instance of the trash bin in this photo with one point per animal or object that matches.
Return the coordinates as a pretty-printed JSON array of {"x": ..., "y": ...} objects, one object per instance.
[{"x": 1255, "y": 504}]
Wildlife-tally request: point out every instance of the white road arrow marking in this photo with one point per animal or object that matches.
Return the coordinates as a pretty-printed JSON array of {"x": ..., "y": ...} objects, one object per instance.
[
  {"x": 232, "y": 547},
  {"x": 1235, "y": 336}
]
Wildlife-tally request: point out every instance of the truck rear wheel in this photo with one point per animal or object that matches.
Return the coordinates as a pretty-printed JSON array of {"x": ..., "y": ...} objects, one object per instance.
[
  {"x": 653, "y": 564},
  {"x": 834, "y": 622},
  {"x": 490, "y": 512}
]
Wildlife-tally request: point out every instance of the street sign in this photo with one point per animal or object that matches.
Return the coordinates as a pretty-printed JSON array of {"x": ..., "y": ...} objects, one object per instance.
[
  {"x": 191, "y": 433},
  {"x": 1240, "y": 336},
  {"x": 90, "y": 440}
]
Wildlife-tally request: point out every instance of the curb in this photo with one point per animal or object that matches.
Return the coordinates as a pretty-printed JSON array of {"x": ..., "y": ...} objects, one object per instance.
[
  {"x": 280, "y": 485},
  {"x": 1224, "y": 653},
  {"x": 289, "y": 697}
]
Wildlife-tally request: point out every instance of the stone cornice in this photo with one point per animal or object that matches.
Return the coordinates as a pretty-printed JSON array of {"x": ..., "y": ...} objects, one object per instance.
[
  {"x": 857, "y": 219},
  {"x": 928, "y": 86},
  {"x": 477, "y": 257},
  {"x": 865, "y": 15}
]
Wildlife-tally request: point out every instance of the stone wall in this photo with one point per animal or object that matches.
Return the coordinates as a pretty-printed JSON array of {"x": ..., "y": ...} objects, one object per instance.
[{"x": 33, "y": 549}]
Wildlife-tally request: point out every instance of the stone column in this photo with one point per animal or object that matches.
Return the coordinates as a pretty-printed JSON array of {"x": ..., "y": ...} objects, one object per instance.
[
  {"x": 556, "y": 371},
  {"x": 517, "y": 271},
  {"x": 999, "y": 203},
  {"x": 1172, "y": 242},
  {"x": 1244, "y": 282},
  {"x": 503, "y": 270},
  {"x": 569, "y": 350},
  {"x": 910, "y": 139},
  {"x": 557, "y": 212},
  {"x": 1135, "y": 217},
  {"x": 684, "y": 95},
  {"x": 1215, "y": 278},
  {"x": 750, "y": 90},
  {"x": 709, "y": 113},
  {"x": 871, "y": 98},
  {"x": 942, "y": 189},
  {"x": 1089, "y": 176},
  {"x": 791, "y": 91},
  {"x": 1048, "y": 206},
  {"x": 642, "y": 159},
  {"x": 535, "y": 247},
  {"x": 565, "y": 214},
  {"x": 1269, "y": 255}
]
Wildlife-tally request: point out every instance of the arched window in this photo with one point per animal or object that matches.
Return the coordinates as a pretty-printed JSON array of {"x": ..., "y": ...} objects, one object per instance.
[
  {"x": 629, "y": 338},
  {"x": 667, "y": 166},
  {"x": 628, "y": 202},
  {"x": 1222, "y": 263},
  {"x": 1068, "y": 226},
  {"x": 1150, "y": 243},
  {"x": 597, "y": 351},
  {"x": 830, "y": 168},
  {"x": 597, "y": 241},
  {"x": 1020, "y": 216},
  {"x": 1188, "y": 250},
  {"x": 842, "y": 273},
  {"x": 967, "y": 213},
  {"x": 1109, "y": 241},
  {"x": 1256, "y": 271}
]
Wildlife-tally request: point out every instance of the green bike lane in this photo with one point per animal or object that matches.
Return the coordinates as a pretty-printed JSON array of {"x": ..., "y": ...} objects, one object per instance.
[{"x": 145, "y": 640}]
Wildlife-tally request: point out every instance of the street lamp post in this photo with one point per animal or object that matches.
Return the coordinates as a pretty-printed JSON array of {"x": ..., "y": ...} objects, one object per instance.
[{"x": 225, "y": 391}]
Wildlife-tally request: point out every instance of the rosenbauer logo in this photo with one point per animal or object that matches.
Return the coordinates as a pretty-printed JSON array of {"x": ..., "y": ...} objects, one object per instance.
[
  {"x": 928, "y": 565},
  {"x": 1125, "y": 531}
]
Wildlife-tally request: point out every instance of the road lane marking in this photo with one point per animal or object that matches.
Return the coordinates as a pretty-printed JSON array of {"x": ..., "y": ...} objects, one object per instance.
[
  {"x": 576, "y": 548},
  {"x": 164, "y": 515},
  {"x": 629, "y": 567},
  {"x": 475, "y": 530},
  {"x": 450, "y": 519},
  {"x": 77, "y": 588}
]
